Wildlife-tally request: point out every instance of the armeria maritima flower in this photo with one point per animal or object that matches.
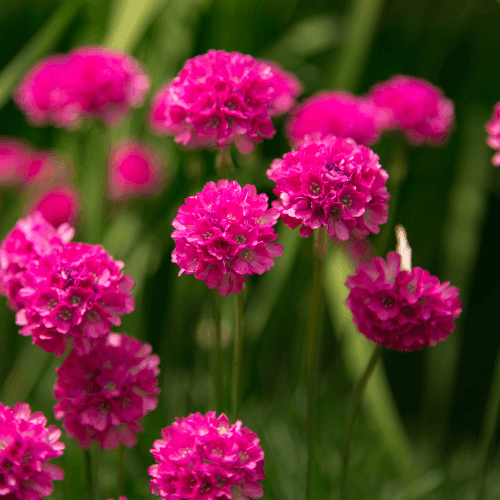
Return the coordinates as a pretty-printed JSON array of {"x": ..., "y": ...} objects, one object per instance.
[
  {"x": 337, "y": 113},
  {"x": 221, "y": 97},
  {"x": 332, "y": 182},
  {"x": 205, "y": 457},
  {"x": 58, "y": 205},
  {"x": 26, "y": 446},
  {"x": 225, "y": 233},
  {"x": 401, "y": 309},
  {"x": 88, "y": 82},
  {"x": 493, "y": 129},
  {"x": 417, "y": 108},
  {"x": 103, "y": 395}
]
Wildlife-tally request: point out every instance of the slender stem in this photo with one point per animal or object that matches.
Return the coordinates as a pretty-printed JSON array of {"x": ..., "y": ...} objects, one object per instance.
[
  {"x": 119, "y": 473},
  {"x": 223, "y": 162},
  {"x": 87, "y": 458},
  {"x": 359, "y": 394},
  {"x": 319, "y": 250},
  {"x": 216, "y": 364},
  {"x": 237, "y": 353}
]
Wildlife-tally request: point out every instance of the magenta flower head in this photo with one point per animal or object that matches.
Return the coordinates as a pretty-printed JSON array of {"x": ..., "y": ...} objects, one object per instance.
[
  {"x": 337, "y": 113},
  {"x": 224, "y": 234},
  {"x": 58, "y": 205},
  {"x": 206, "y": 458},
  {"x": 331, "y": 182},
  {"x": 103, "y": 395},
  {"x": 493, "y": 129},
  {"x": 401, "y": 309},
  {"x": 26, "y": 446},
  {"x": 417, "y": 108},
  {"x": 221, "y": 97},
  {"x": 135, "y": 169},
  {"x": 88, "y": 82}
]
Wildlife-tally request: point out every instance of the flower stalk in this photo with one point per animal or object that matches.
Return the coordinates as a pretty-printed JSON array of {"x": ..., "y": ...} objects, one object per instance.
[
  {"x": 87, "y": 458},
  {"x": 216, "y": 350},
  {"x": 119, "y": 473},
  {"x": 237, "y": 353}
]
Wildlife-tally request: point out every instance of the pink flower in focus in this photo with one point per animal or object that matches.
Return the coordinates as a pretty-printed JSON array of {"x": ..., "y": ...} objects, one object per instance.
[
  {"x": 103, "y": 395},
  {"x": 225, "y": 233},
  {"x": 26, "y": 445},
  {"x": 58, "y": 205},
  {"x": 417, "y": 108},
  {"x": 399, "y": 309},
  {"x": 337, "y": 113},
  {"x": 221, "y": 97},
  {"x": 493, "y": 129},
  {"x": 31, "y": 239},
  {"x": 332, "y": 182},
  {"x": 88, "y": 82},
  {"x": 135, "y": 169},
  {"x": 204, "y": 457}
]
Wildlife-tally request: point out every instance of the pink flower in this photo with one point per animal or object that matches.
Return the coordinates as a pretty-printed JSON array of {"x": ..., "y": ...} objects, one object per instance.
[
  {"x": 103, "y": 395},
  {"x": 58, "y": 205},
  {"x": 417, "y": 108},
  {"x": 493, "y": 129},
  {"x": 224, "y": 234},
  {"x": 121, "y": 498},
  {"x": 26, "y": 445},
  {"x": 88, "y": 82},
  {"x": 337, "y": 113},
  {"x": 399, "y": 309},
  {"x": 135, "y": 169},
  {"x": 31, "y": 239},
  {"x": 332, "y": 182},
  {"x": 221, "y": 97},
  {"x": 204, "y": 457}
]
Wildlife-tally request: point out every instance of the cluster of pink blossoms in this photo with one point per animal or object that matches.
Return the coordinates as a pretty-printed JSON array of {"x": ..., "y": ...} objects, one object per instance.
[
  {"x": 88, "y": 82},
  {"x": 221, "y": 97},
  {"x": 493, "y": 129},
  {"x": 225, "y": 233},
  {"x": 205, "y": 457},
  {"x": 332, "y": 182},
  {"x": 399, "y": 309},
  {"x": 103, "y": 395},
  {"x": 26, "y": 445},
  {"x": 61, "y": 289}
]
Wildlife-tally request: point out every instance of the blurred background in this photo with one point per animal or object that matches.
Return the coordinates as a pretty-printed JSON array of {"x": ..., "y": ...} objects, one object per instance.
[{"x": 420, "y": 435}]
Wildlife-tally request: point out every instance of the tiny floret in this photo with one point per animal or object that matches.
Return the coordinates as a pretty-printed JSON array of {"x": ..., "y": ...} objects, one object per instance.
[
  {"x": 493, "y": 139},
  {"x": 401, "y": 309},
  {"x": 225, "y": 233},
  {"x": 26, "y": 446},
  {"x": 334, "y": 182},
  {"x": 103, "y": 395},
  {"x": 207, "y": 458}
]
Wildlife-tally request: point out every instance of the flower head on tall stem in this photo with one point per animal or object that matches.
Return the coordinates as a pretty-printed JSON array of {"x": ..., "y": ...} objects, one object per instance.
[
  {"x": 58, "y": 205},
  {"x": 26, "y": 446},
  {"x": 219, "y": 98},
  {"x": 493, "y": 139},
  {"x": 334, "y": 182},
  {"x": 206, "y": 457},
  {"x": 225, "y": 233}
]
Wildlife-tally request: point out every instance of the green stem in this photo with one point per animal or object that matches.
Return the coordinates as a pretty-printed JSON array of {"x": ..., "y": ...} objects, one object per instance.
[
  {"x": 237, "y": 353},
  {"x": 319, "y": 249},
  {"x": 87, "y": 458},
  {"x": 119, "y": 473},
  {"x": 216, "y": 364},
  {"x": 359, "y": 394}
]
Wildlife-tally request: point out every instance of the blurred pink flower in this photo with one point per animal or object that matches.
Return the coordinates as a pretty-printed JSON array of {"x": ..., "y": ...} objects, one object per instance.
[
  {"x": 26, "y": 445},
  {"x": 206, "y": 458},
  {"x": 135, "y": 169},
  {"x": 493, "y": 129},
  {"x": 399, "y": 309},
  {"x": 417, "y": 108},
  {"x": 88, "y": 82},
  {"x": 58, "y": 205},
  {"x": 332, "y": 182},
  {"x": 338, "y": 113},
  {"x": 103, "y": 395},
  {"x": 221, "y": 97},
  {"x": 225, "y": 233}
]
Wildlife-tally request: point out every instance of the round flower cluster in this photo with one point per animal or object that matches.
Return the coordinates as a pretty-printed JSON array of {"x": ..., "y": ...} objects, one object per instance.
[
  {"x": 221, "y": 97},
  {"x": 104, "y": 394},
  {"x": 417, "y": 108},
  {"x": 493, "y": 129},
  {"x": 399, "y": 309},
  {"x": 58, "y": 205},
  {"x": 332, "y": 182},
  {"x": 225, "y": 233},
  {"x": 207, "y": 458},
  {"x": 26, "y": 445},
  {"x": 337, "y": 113},
  {"x": 88, "y": 82}
]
